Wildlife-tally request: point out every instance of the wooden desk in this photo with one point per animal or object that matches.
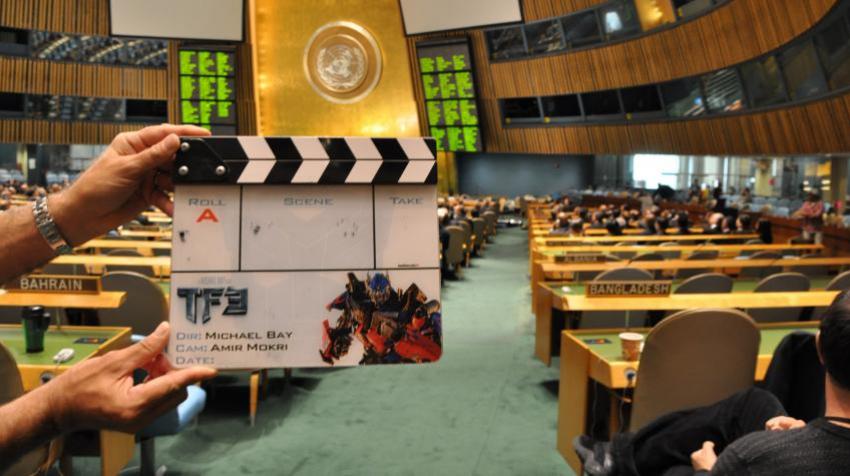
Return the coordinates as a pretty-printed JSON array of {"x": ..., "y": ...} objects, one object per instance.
[
  {"x": 557, "y": 270},
  {"x": 635, "y": 231},
  {"x": 102, "y": 300},
  {"x": 553, "y": 298},
  {"x": 160, "y": 264},
  {"x": 548, "y": 240},
  {"x": 159, "y": 235},
  {"x": 126, "y": 244},
  {"x": 116, "y": 448},
  {"x": 551, "y": 251},
  {"x": 582, "y": 362}
]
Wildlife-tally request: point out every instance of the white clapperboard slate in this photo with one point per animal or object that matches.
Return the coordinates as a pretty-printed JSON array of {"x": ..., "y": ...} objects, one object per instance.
[{"x": 305, "y": 252}]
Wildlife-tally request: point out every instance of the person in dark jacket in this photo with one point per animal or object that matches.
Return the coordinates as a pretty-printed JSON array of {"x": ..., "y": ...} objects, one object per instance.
[{"x": 746, "y": 434}]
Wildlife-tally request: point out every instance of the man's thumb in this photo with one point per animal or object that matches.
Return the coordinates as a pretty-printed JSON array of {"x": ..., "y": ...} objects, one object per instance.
[
  {"x": 159, "y": 154},
  {"x": 150, "y": 347}
]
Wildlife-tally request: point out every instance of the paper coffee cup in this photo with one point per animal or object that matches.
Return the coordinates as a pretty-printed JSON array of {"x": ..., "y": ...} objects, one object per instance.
[{"x": 632, "y": 344}]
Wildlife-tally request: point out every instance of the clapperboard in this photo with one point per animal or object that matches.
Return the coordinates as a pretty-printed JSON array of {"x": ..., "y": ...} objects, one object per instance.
[{"x": 305, "y": 252}]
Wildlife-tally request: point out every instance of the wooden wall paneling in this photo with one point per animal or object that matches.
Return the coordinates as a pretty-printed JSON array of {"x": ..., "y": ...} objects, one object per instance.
[
  {"x": 732, "y": 33},
  {"x": 24, "y": 75},
  {"x": 710, "y": 42},
  {"x": 30, "y": 131},
  {"x": 817, "y": 127},
  {"x": 88, "y": 17}
]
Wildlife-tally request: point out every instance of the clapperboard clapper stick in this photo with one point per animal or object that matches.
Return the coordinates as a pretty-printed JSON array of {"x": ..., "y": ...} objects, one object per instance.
[{"x": 305, "y": 252}]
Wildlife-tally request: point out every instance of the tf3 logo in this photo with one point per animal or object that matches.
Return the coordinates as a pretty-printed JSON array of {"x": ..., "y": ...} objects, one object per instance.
[{"x": 237, "y": 302}]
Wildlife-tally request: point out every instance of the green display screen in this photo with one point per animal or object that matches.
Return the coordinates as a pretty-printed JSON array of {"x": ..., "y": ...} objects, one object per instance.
[
  {"x": 450, "y": 100},
  {"x": 208, "y": 89}
]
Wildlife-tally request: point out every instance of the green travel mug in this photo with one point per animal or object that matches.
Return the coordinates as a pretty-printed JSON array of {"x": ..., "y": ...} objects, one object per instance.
[{"x": 35, "y": 321}]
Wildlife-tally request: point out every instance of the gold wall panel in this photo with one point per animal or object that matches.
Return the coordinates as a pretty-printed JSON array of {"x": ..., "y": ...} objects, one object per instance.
[{"x": 288, "y": 105}]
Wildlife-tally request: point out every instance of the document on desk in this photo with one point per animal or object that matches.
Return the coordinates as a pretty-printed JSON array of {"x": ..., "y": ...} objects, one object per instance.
[{"x": 305, "y": 252}]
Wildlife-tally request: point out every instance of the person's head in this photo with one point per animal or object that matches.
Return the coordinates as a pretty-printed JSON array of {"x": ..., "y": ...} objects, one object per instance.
[
  {"x": 576, "y": 228},
  {"x": 834, "y": 340},
  {"x": 563, "y": 217},
  {"x": 744, "y": 222},
  {"x": 683, "y": 220},
  {"x": 716, "y": 219},
  {"x": 813, "y": 196}
]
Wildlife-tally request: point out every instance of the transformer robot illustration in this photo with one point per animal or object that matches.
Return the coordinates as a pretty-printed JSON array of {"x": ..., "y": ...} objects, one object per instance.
[{"x": 394, "y": 327}]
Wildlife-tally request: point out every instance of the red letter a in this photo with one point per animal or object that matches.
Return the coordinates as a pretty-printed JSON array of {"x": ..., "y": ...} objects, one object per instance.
[{"x": 207, "y": 215}]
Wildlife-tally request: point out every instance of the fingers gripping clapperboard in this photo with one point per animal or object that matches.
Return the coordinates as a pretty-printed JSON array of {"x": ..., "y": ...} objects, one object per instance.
[{"x": 305, "y": 252}]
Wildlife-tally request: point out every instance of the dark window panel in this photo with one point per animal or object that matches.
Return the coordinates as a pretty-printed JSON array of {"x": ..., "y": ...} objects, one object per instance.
[
  {"x": 11, "y": 105},
  {"x": 544, "y": 37},
  {"x": 601, "y": 103},
  {"x": 142, "y": 110},
  {"x": 803, "y": 73},
  {"x": 723, "y": 91},
  {"x": 764, "y": 82},
  {"x": 683, "y": 98},
  {"x": 521, "y": 108},
  {"x": 506, "y": 43},
  {"x": 833, "y": 46},
  {"x": 641, "y": 99},
  {"x": 561, "y": 106},
  {"x": 581, "y": 29}
]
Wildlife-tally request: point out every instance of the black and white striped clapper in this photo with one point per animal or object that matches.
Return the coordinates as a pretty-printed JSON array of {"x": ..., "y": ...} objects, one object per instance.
[{"x": 246, "y": 160}]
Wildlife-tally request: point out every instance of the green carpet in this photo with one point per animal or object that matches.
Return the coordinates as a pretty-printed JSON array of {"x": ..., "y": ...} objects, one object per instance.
[{"x": 482, "y": 410}]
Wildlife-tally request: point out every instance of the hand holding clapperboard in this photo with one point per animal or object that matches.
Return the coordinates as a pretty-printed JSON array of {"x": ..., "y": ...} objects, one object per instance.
[{"x": 305, "y": 252}]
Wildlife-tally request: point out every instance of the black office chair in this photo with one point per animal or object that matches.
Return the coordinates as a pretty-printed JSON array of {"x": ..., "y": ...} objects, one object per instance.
[
  {"x": 779, "y": 283},
  {"x": 708, "y": 283},
  {"x": 817, "y": 271},
  {"x": 763, "y": 272},
  {"x": 686, "y": 273}
]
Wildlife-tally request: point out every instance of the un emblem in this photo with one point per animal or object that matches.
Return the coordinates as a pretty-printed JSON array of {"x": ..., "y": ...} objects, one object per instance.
[{"x": 342, "y": 62}]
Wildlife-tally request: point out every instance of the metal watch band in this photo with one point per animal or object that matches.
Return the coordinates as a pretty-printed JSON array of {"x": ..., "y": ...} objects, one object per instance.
[{"x": 47, "y": 227}]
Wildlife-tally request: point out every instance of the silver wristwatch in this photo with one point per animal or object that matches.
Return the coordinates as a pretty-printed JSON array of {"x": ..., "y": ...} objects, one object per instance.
[{"x": 47, "y": 227}]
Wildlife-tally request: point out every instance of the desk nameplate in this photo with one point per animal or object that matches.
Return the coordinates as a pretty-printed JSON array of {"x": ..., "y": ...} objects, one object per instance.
[
  {"x": 581, "y": 258},
  {"x": 43, "y": 283},
  {"x": 628, "y": 288}
]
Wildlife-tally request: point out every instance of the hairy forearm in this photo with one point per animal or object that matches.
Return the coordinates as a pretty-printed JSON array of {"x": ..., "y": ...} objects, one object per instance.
[
  {"x": 21, "y": 246},
  {"x": 26, "y": 423}
]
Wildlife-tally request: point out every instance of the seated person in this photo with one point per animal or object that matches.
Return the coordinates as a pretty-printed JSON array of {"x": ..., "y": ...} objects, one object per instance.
[
  {"x": 649, "y": 226},
  {"x": 661, "y": 225},
  {"x": 576, "y": 229},
  {"x": 744, "y": 225},
  {"x": 683, "y": 222},
  {"x": 749, "y": 430}
]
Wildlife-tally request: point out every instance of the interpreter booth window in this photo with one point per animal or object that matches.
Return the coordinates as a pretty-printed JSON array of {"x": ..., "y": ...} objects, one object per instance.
[
  {"x": 561, "y": 108},
  {"x": 833, "y": 46},
  {"x": 544, "y": 37},
  {"x": 602, "y": 105},
  {"x": 619, "y": 19},
  {"x": 723, "y": 91},
  {"x": 802, "y": 71},
  {"x": 506, "y": 43},
  {"x": 642, "y": 102},
  {"x": 651, "y": 170},
  {"x": 689, "y": 8},
  {"x": 581, "y": 29},
  {"x": 683, "y": 98},
  {"x": 655, "y": 13},
  {"x": 519, "y": 110},
  {"x": 12, "y": 105},
  {"x": 764, "y": 82}
]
